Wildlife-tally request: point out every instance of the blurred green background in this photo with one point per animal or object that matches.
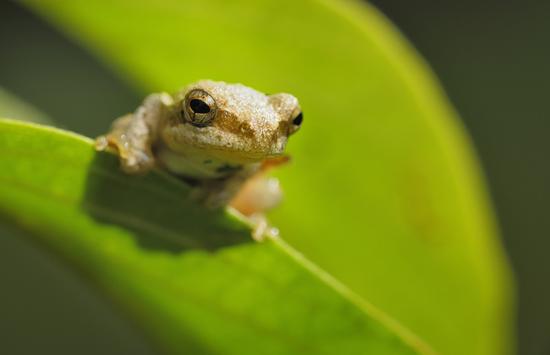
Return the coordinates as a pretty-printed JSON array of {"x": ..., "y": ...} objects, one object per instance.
[{"x": 490, "y": 56}]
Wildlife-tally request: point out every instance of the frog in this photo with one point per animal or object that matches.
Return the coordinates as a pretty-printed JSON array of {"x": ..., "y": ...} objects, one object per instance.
[{"x": 221, "y": 138}]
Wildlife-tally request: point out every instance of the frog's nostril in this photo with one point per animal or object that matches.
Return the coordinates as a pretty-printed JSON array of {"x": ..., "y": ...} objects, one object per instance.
[{"x": 199, "y": 106}]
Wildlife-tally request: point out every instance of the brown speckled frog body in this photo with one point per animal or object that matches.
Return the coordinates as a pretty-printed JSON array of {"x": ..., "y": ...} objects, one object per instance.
[{"x": 217, "y": 135}]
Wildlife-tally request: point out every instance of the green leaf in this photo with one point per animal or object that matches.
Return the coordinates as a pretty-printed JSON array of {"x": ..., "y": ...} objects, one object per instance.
[
  {"x": 384, "y": 191},
  {"x": 193, "y": 278}
]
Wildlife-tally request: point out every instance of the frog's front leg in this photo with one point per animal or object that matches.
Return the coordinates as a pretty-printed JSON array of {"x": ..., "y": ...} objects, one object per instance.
[
  {"x": 134, "y": 134},
  {"x": 217, "y": 193},
  {"x": 258, "y": 195},
  {"x": 246, "y": 191}
]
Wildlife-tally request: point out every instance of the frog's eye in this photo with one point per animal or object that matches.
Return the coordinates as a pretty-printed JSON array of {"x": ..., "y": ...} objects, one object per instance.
[
  {"x": 199, "y": 108},
  {"x": 296, "y": 122}
]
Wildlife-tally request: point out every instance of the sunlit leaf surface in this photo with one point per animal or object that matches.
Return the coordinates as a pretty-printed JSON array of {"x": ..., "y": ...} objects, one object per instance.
[{"x": 193, "y": 279}]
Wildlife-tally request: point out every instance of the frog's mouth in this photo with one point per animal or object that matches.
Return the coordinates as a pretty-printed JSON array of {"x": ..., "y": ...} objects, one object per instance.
[
  {"x": 227, "y": 147},
  {"x": 245, "y": 156}
]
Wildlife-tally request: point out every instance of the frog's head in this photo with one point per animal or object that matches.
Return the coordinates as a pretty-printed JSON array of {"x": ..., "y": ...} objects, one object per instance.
[{"x": 232, "y": 122}]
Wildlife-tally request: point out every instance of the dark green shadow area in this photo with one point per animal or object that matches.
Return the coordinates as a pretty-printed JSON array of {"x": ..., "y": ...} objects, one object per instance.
[
  {"x": 47, "y": 308},
  {"x": 157, "y": 209}
]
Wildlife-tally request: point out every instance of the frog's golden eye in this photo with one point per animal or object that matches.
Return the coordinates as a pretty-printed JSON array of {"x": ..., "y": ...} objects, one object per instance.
[
  {"x": 296, "y": 122},
  {"x": 199, "y": 108}
]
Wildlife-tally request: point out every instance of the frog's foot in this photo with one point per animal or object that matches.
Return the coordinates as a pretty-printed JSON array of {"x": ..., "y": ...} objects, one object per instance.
[
  {"x": 132, "y": 161},
  {"x": 137, "y": 162},
  {"x": 261, "y": 228},
  {"x": 258, "y": 195},
  {"x": 101, "y": 143}
]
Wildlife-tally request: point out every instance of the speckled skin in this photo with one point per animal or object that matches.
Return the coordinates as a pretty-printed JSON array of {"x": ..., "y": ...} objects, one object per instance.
[{"x": 230, "y": 134}]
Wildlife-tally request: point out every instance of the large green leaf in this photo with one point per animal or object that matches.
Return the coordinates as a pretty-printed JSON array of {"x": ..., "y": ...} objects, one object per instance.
[
  {"x": 384, "y": 192},
  {"x": 193, "y": 279}
]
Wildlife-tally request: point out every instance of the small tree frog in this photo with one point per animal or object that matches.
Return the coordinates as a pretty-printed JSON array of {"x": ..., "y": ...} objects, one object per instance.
[{"x": 217, "y": 136}]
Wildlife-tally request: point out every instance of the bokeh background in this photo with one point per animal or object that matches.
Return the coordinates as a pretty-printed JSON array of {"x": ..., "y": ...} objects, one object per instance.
[{"x": 491, "y": 57}]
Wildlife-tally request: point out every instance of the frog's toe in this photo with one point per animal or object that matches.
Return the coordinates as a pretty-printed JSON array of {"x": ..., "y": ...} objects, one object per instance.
[
  {"x": 261, "y": 229},
  {"x": 137, "y": 163},
  {"x": 101, "y": 143}
]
